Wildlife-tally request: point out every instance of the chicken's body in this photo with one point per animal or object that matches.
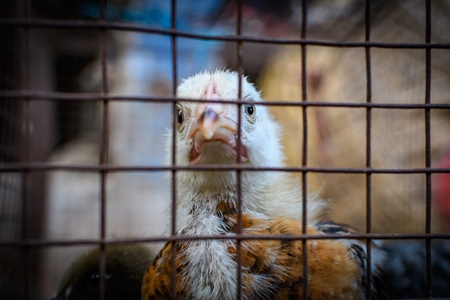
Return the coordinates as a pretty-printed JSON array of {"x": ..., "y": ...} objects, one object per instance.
[
  {"x": 271, "y": 205},
  {"x": 271, "y": 269}
]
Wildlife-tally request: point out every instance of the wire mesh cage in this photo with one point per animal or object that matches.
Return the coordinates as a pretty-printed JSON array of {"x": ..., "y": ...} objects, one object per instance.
[{"x": 88, "y": 96}]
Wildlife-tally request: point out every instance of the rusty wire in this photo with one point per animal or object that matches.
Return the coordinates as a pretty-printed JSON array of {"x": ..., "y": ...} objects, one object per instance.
[
  {"x": 92, "y": 97},
  {"x": 173, "y": 25},
  {"x": 368, "y": 150},
  {"x": 34, "y": 166},
  {"x": 104, "y": 147},
  {"x": 428, "y": 144},
  {"x": 103, "y": 26},
  {"x": 40, "y": 243},
  {"x": 304, "y": 146},
  {"x": 110, "y": 25},
  {"x": 25, "y": 149},
  {"x": 239, "y": 56}
]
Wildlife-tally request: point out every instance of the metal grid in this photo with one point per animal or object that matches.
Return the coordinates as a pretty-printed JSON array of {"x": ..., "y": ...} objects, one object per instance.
[{"x": 26, "y": 95}]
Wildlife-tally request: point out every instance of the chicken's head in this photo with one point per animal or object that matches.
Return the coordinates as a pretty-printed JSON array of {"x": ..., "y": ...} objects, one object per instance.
[{"x": 207, "y": 132}]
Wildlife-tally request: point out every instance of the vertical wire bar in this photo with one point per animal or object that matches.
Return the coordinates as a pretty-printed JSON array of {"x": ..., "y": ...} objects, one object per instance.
[
  {"x": 25, "y": 125},
  {"x": 25, "y": 151},
  {"x": 368, "y": 153},
  {"x": 305, "y": 149},
  {"x": 173, "y": 24},
  {"x": 238, "y": 158},
  {"x": 428, "y": 144},
  {"x": 104, "y": 148}
]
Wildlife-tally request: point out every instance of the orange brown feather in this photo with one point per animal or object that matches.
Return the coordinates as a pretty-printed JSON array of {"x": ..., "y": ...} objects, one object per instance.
[{"x": 334, "y": 272}]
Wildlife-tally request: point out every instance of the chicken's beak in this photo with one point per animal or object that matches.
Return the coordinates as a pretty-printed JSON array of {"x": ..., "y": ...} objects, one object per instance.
[
  {"x": 211, "y": 120},
  {"x": 211, "y": 116}
]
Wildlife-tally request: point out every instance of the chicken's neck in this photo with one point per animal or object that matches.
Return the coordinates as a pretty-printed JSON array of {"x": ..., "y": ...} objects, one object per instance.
[
  {"x": 204, "y": 213},
  {"x": 262, "y": 194}
]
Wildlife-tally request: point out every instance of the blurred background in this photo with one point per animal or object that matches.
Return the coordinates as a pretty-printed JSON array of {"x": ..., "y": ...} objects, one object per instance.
[{"x": 65, "y": 205}]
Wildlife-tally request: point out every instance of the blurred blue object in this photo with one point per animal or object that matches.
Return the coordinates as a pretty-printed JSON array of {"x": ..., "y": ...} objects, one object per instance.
[
  {"x": 158, "y": 12},
  {"x": 192, "y": 55},
  {"x": 143, "y": 66}
]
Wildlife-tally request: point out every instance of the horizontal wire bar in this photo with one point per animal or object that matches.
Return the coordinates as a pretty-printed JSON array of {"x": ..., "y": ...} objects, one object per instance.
[
  {"x": 373, "y": 236},
  {"x": 89, "y": 97},
  {"x": 28, "y": 167},
  {"x": 110, "y": 25}
]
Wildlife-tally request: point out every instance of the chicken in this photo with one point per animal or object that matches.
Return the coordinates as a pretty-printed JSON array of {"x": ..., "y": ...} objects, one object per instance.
[
  {"x": 125, "y": 266},
  {"x": 12, "y": 272},
  {"x": 404, "y": 269},
  {"x": 207, "y": 204}
]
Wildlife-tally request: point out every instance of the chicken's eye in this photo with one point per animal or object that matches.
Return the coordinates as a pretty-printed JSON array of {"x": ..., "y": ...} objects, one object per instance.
[
  {"x": 180, "y": 117},
  {"x": 250, "y": 110}
]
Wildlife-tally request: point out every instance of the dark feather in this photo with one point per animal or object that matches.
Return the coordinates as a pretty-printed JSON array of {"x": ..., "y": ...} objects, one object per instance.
[{"x": 405, "y": 268}]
